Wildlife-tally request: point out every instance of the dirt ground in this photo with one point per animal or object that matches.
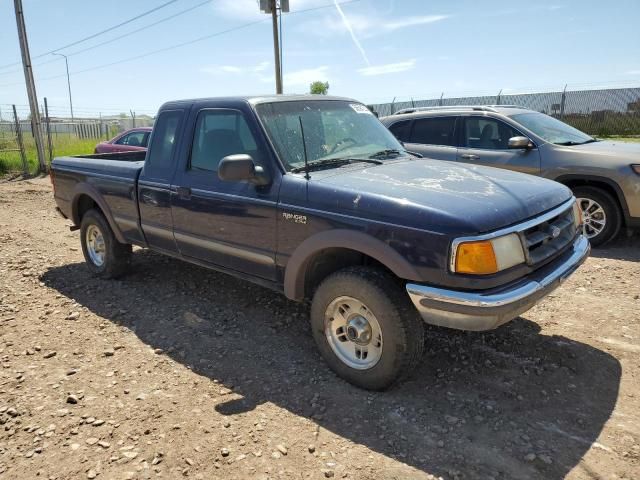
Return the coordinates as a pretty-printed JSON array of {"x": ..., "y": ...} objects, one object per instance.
[{"x": 175, "y": 371}]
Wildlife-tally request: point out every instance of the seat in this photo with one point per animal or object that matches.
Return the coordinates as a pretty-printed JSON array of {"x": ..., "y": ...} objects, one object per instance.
[
  {"x": 486, "y": 137},
  {"x": 216, "y": 145},
  {"x": 133, "y": 141}
]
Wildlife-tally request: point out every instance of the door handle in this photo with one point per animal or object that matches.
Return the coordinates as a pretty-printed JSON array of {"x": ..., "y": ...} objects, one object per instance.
[
  {"x": 184, "y": 192},
  {"x": 469, "y": 156},
  {"x": 149, "y": 199}
]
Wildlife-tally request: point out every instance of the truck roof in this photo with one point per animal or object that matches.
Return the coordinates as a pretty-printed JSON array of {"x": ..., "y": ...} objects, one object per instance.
[{"x": 256, "y": 99}]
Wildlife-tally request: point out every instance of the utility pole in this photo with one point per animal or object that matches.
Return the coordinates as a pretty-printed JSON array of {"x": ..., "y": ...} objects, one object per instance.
[
  {"x": 36, "y": 124},
  {"x": 271, "y": 6},
  {"x": 66, "y": 61},
  {"x": 276, "y": 47}
]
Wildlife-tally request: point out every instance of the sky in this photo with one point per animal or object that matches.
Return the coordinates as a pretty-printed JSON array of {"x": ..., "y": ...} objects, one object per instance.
[{"x": 371, "y": 50}]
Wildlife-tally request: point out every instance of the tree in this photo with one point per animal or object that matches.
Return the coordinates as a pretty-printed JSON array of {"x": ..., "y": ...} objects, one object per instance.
[{"x": 319, "y": 88}]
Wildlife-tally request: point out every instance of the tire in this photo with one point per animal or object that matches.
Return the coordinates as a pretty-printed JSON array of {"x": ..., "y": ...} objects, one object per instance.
[
  {"x": 387, "y": 309},
  {"x": 603, "y": 207},
  {"x": 116, "y": 256}
]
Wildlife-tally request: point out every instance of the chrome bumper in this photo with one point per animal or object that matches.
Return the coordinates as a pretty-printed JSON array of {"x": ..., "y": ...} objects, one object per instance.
[{"x": 489, "y": 309}]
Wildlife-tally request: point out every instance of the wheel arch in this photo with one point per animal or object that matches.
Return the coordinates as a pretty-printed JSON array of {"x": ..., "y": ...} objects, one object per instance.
[
  {"x": 86, "y": 197},
  {"x": 342, "y": 248},
  {"x": 604, "y": 183}
]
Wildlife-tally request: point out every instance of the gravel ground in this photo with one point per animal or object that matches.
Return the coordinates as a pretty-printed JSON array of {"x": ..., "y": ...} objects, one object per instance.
[{"x": 175, "y": 371}]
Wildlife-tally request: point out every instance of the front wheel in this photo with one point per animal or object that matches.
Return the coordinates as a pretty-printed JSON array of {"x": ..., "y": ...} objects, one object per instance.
[
  {"x": 601, "y": 216},
  {"x": 105, "y": 256},
  {"x": 366, "y": 328}
]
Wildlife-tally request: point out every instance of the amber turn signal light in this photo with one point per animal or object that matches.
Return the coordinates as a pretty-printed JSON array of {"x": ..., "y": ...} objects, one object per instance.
[{"x": 476, "y": 258}]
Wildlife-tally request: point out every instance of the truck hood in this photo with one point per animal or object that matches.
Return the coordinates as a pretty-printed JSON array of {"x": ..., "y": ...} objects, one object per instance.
[{"x": 443, "y": 197}]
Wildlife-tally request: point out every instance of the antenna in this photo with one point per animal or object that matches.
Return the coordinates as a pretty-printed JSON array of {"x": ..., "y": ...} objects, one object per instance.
[{"x": 304, "y": 149}]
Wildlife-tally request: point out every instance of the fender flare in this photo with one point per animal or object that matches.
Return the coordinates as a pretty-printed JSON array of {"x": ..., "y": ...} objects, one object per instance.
[
  {"x": 85, "y": 189},
  {"x": 296, "y": 268}
]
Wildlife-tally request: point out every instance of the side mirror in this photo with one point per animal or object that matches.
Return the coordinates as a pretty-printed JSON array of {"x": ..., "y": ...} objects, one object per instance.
[
  {"x": 241, "y": 168},
  {"x": 520, "y": 142}
]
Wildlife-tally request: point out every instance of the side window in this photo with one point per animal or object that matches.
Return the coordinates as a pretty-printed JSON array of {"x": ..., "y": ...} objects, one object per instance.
[
  {"x": 401, "y": 130},
  {"x": 122, "y": 140},
  {"x": 487, "y": 133},
  {"x": 434, "y": 131},
  {"x": 133, "y": 139},
  {"x": 145, "y": 139},
  {"x": 163, "y": 142},
  {"x": 220, "y": 133}
]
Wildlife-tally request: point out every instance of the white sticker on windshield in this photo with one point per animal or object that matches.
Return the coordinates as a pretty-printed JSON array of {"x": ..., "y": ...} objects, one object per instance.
[{"x": 360, "y": 108}]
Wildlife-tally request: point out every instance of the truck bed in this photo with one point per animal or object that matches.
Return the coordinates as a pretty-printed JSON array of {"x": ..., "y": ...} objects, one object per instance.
[
  {"x": 133, "y": 156},
  {"x": 111, "y": 179}
]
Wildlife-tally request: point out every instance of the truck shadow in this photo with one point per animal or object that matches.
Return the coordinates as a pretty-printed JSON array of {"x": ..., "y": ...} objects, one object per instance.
[
  {"x": 624, "y": 247},
  {"x": 480, "y": 405}
]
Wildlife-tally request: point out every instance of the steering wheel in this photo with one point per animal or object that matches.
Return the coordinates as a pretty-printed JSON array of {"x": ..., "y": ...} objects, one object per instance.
[{"x": 335, "y": 149}]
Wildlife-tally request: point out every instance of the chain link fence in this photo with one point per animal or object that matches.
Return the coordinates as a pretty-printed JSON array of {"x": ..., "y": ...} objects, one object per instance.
[
  {"x": 62, "y": 135},
  {"x": 606, "y": 112}
]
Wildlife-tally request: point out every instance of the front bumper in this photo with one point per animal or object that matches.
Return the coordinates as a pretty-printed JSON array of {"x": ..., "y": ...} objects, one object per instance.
[{"x": 489, "y": 309}]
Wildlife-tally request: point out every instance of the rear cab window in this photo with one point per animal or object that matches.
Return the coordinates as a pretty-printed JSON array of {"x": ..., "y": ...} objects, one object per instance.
[{"x": 159, "y": 162}]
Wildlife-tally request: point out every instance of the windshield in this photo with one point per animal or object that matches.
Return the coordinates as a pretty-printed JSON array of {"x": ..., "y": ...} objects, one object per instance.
[
  {"x": 332, "y": 129},
  {"x": 552, "y": 130}
]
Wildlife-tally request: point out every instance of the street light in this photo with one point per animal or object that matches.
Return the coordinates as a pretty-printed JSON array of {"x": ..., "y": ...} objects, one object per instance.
[{"x": 66, "y": 61}]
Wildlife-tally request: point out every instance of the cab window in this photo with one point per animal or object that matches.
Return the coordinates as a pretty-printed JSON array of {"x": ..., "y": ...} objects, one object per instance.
[
  {"x": 220, "y": 133},
  {"x": 160, "y": 155}
]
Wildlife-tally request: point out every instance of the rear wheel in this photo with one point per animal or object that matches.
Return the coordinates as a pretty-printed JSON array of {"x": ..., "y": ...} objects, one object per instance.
[
  {"x": 105, "y": 256},
  {"x": 601, "y": 215},
  {"x": 366, "y": 328}
]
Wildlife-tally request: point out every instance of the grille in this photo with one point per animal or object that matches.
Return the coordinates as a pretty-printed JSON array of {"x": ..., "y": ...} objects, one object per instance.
[{"x": 549, "y": 237}]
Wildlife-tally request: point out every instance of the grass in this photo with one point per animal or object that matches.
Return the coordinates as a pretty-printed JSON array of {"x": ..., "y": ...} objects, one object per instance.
[
  {"x": 634, "y": 139},
  {"x": 63, "y": 145}
]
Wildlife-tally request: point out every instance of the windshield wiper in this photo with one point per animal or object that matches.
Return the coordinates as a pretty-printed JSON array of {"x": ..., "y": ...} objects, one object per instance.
[
  {"x": 414, "y": 154},
  {"x": 333, "y": 162},
  {"x": 395, "y": 152},
  {"x": 386, "y": 153}
]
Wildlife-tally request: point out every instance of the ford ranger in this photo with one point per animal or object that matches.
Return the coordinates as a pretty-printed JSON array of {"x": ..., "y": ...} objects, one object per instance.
[{"x": 313, "y": 197}]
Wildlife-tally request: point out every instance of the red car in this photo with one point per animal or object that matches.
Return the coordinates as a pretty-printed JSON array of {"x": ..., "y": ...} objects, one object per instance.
[{"x": 127, "y": 141}]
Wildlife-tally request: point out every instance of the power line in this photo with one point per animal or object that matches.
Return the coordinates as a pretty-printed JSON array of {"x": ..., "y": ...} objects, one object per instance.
[
  {"x": 182, "y": 44},
  {"x": 181, "y": 12},
  {"x": 165, "y": 49},
  {"x": 142, "y": 28},
  {"x": 160, "y": 50},
  {"x": 98, "y": 33}
]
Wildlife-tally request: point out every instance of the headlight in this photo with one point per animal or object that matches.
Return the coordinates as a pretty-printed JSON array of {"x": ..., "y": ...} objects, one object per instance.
[
  {"x": 485, "y": 257},
  {"x": 577, "y": 214}
]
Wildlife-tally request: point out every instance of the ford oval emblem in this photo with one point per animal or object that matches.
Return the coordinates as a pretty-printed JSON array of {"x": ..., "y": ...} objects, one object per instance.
[{"x": 555, "y": 232}]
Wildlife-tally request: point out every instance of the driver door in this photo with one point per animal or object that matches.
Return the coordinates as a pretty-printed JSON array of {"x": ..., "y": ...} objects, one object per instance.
[
  {"x": 223, "y": 223},
  {"x": 485, "y": 141}
]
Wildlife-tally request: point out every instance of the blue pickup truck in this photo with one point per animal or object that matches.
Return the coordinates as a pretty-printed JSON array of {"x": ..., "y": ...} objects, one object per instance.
[{"x": 313, "y": 197}]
